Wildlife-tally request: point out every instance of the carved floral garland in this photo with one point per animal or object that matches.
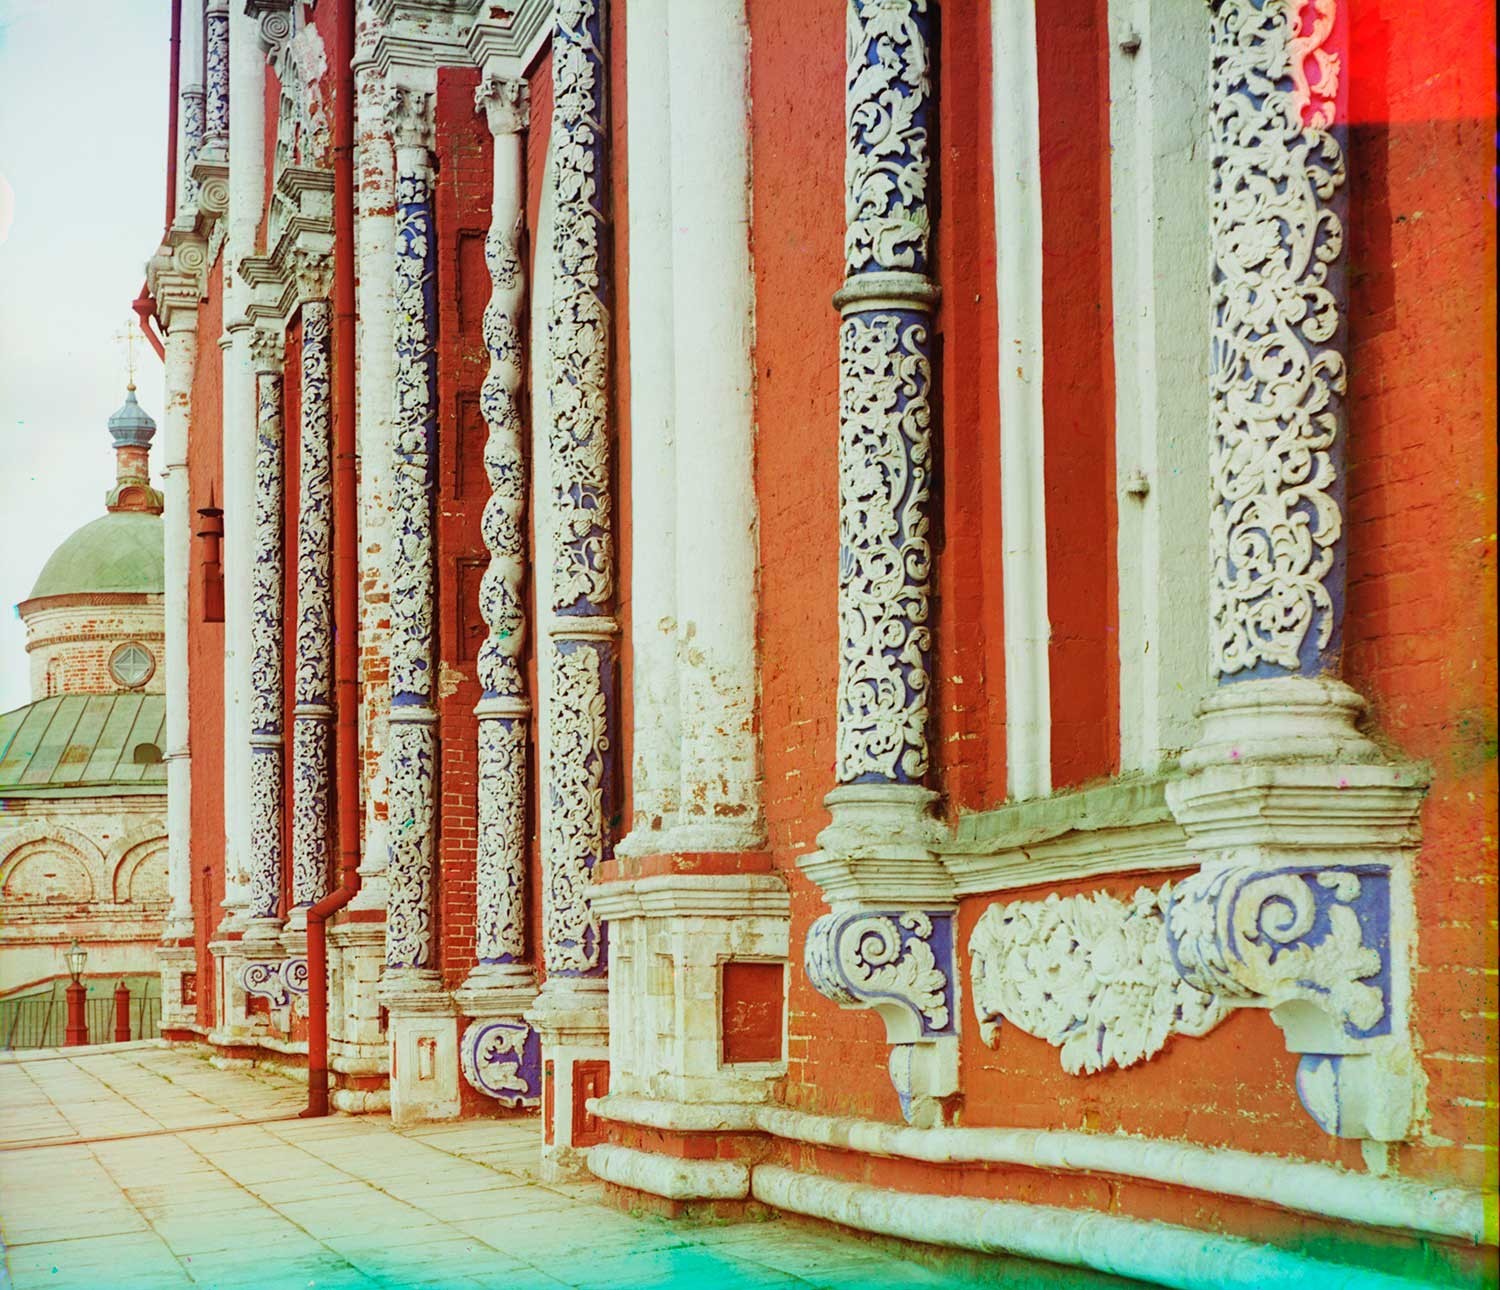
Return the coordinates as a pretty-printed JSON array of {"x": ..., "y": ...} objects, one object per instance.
[
  {"x": 312, "y": 683},
  {"x": 885, "y": 452},
  {"x": 216, "y": 73},
  {"x": 1278, "y": 372},
  {"x": 266, "y": 643},
  {"x": 1091, "y": 975}
]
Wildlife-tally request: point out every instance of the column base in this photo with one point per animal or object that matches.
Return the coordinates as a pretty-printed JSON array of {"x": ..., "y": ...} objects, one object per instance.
[
  {"x": 572, "y": 1017},
  {"x": 422, "y": 1036},
  {"x": 500, "y": 1052},
  {"x": 179, "y": 986}
]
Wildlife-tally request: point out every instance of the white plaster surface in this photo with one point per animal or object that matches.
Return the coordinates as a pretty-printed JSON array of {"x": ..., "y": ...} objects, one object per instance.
[{"x": 1018, "y": 240}]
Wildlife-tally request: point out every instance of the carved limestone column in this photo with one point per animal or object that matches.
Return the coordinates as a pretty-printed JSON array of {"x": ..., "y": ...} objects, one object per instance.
[
  {"x": 500, "y": 1052},
  {"x": 190, "y": 97},
  {"x": 423, "y": 1037},
  {"x": 578, "y": 652},
  {"x": 888, "y": 942},
  {"x": 216, "y": 77},
  {"x": 266, "y": 733},
  {"x": 312, "y": 682},
  {"x": 175, "y": 277},
  {"x": 375, "y": 229},
  {"x": 1306, "y": 829}
]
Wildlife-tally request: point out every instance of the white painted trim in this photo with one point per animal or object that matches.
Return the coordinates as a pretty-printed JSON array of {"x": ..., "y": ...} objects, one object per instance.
[
  {"x": 1023, "y": 517},
  {"x": 670, "y": 1176},
  {"x": 1152, "y": 1252},
  {"x": 656, "y": 766},
  {"x": 1324, "y": 1190},
  {"x": 1159, "y": 71}
]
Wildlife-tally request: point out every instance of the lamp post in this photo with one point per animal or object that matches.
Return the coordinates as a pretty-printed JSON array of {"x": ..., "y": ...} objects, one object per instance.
[{"x": 78, "y": 1028}]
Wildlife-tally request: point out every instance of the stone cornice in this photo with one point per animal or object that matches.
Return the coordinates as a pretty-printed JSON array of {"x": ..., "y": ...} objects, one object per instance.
[
  {"x": 507, "y": 46},
  {"x": 299, "y": 267},
  {"x": 423, "y": 35},
  {"x": 177, "y": 273}
]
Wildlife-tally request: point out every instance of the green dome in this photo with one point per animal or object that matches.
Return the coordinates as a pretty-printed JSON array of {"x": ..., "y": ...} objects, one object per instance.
[{"x": 123, "y": 552}]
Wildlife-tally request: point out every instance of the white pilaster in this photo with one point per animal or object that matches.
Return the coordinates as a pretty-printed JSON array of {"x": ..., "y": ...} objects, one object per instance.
[{"x": 1015, "y": 130}]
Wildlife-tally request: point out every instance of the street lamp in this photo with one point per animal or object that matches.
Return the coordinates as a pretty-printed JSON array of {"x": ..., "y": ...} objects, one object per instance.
[{"x": 78, "y": 1027}]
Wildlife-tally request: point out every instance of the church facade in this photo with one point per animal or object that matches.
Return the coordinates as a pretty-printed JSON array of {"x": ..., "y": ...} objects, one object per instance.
[
  {"x": 881, "y": 609},
  {"x": 83, "y": 845}
]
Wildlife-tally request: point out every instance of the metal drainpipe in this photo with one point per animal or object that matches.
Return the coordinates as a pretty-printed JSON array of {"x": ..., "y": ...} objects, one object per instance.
[
  {"x": 345, "y": 566},
  {"x": 143, "y": 305}
]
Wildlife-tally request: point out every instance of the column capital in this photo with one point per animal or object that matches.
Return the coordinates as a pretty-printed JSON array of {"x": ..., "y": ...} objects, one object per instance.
[
  {"x": 409, "y": 115},
  {"x": 267, "y": 350},
  {"x": 506, "y": 103}
]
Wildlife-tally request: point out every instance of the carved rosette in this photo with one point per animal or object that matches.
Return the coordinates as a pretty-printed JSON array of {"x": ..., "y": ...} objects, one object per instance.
[
  {"x": 503, "y": 1060},
  {"x": 885, "y": 410},
  {"x": 216, "y": 73},
  {"x": 312, "y": 685},
  {"x": 580, "y": 655},
  {"x": 1278, "y": 202},
  {"x": 412, "y": 740},
  {"x": 1092, "y": 975},
  {"x": 266, "y": 636},
  {"x": 500, "y": 915}
]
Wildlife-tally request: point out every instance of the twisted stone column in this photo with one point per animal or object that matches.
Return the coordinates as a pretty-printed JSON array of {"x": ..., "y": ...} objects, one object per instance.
[
  {"x": 412, "y": 749},
  {"x": 312, "y": 683},
  {"x": 266, "y": 627}
]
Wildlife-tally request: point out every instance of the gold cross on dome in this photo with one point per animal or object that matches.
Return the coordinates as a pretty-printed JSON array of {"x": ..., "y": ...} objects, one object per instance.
[{"x": 130, "y": 337}]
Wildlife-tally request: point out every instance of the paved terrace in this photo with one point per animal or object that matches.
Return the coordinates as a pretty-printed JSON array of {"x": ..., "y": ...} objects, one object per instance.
[{"x": 141, "y": 1166}]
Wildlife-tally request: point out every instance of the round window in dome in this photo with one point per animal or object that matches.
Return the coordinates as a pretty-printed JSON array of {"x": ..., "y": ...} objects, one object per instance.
[{"x": 131, "y": 665}]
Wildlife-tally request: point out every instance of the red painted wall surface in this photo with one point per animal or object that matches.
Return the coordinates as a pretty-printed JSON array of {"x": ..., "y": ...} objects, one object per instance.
[
  {"x": 1420, "y": 626},
  {"x": 1078, "y": 393},
  {"x": 206, "y": 648},
  {"x": 462, "y": 217}
]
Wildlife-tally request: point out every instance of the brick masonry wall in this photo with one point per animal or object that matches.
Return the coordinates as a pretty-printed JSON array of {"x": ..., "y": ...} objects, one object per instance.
[
  {"x": 463, "y": 193},
  {"x": 1421, "y": 523},
  {"x": 70, "y": 643},
  {"x": 206, "y": 645}
]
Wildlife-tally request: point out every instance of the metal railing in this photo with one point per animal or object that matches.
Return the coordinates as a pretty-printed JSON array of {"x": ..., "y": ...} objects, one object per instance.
[{"x": 40, "y": 1020}]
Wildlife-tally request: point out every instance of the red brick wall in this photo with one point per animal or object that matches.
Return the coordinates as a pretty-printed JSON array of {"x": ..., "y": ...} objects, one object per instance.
[
  {"x": 1420, "y": 625},
  {"x": 462, "y": 201},
  {"x": 206, "y": 646}
]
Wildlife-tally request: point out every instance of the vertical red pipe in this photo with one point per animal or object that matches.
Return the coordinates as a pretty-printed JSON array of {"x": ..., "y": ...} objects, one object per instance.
[{"x": 345, "y": 565}]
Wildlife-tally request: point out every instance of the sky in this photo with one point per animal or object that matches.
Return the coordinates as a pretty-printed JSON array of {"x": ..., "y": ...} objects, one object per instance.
[{"x": 83, "y": 121}]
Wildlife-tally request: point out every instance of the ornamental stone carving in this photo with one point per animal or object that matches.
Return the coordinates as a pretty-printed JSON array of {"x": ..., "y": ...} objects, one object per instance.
[
  {"x": 312, "y": 685},
  {"x": 1092, "y": 975},
  {"x": 266, "y": 634},
  {"x": 216, "y": 76},
  {"x": 192, "y": 141},
  {"x": 1277, "y": 208},
  {"x": 411, "y": 752},
  {"x": 901, "y": 960},
  {"x": 278, "y": 980},
  {"x": 503, "y": 1060},
  {"x": 579, "y": 653}
]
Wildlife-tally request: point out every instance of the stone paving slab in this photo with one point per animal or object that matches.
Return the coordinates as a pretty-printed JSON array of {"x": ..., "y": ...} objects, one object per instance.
[{"x": 147, "y": 1167}]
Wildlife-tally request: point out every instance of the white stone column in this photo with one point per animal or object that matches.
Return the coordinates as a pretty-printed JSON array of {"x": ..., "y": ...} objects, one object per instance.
[
  {"x": 247, "y": 70},
  {"x": 422, "y": 1032},
  {"x": 181, "y": 357},
  {"x": 312, "y": 686},
  {"x": 578, "y": 651},
  {"x": 190, "y": 101},
  {"x": 888, "y": 941},
  {"x": 374, "y": 239},
  {"x": 719, "y": 799},
  {"x": 655, "y": 780},
  {"x": 267, "y": 628},
  {"x": 1304, "y": 827}
]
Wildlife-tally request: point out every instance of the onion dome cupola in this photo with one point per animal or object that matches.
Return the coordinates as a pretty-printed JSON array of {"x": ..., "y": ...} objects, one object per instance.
[{"x": 132, "y": 429}]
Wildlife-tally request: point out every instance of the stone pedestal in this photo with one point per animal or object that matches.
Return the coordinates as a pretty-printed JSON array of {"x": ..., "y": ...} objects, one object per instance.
[
  {"x": 572, "y": 1017},
  {"x": 358, "y": 1054},
  {"x": 422, "y": 1038},
  {"x": 179, "y": 989}
]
